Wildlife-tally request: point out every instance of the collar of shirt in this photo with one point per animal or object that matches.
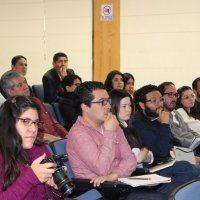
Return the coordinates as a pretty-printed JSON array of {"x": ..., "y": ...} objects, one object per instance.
[
  {"x": 123, "y": 123},
  {"x": 174, "y": 117}
]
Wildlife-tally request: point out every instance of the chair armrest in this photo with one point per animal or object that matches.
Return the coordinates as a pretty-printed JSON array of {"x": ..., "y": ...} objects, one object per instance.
[{"x": 108, "y": 189}]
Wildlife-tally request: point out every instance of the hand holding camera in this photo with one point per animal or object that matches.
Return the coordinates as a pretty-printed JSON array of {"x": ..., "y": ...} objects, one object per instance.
[
  {"x": 43, "y": 171},
  {"x": 60, "y": 178}
]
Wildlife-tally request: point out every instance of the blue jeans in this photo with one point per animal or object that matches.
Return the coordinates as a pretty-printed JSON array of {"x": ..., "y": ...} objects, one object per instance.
[
  {"x": 181, "y": 171},
  {"x": 162, "y": 193}
]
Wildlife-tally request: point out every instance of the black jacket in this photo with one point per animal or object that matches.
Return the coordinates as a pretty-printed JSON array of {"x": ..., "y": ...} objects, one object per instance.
[
  {"x": 68, "y": 109},
  {"x": 52, "y": 85}
]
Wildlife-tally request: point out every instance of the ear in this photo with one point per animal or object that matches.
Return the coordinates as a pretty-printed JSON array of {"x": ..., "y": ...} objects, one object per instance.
[
  {"x": 195, "y": 92},
  {"x": 142, "y": 106},
  {"x": 84, "y": 107},
  {"x": 9, "y": 93}
]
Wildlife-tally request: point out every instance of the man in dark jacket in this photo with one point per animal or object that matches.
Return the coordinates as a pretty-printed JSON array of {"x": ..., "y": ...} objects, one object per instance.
[
  {"x": 151, "y": 121},
  {"x": 53, "y": 77}
]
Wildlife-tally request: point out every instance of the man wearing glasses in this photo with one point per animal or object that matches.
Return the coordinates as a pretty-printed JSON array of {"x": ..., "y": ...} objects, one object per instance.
[
  {"x": 97, "y": 148},
  {"x": 96, "y": 145},
  {"x": 151, "y": 121},
  {"x": 180, "y": 130}
]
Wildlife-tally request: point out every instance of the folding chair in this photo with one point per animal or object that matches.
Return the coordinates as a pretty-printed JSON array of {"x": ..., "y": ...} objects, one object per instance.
[
  {"x": 38, "y": 90},
  {"x": 58, "y": 113},
  {"x": 59, "y": 147},
  {"x": 189, "y": 190},
  {"x": 51, "y": 110},
  {"x": 111, "y": 190}
]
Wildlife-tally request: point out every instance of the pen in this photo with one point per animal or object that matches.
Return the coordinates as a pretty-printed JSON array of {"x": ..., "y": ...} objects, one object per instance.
[{"x": 139, "y": 178}]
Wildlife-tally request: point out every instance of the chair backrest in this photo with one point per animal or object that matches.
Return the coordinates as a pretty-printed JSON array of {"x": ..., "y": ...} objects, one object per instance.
[
  {"x": 189, "y": 190},
  {"x": 38, "y": 90},
  {"x": 59, "y": 147},
  {"x": 49, "y": 148},
  {"x": 51, "y": 110},
  {"x": 90, "y": 195},
  {"x": 58, "y": 113}
]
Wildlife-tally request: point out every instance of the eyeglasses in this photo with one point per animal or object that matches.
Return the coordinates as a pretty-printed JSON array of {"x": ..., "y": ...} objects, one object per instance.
[
  {"x": 29, "y": 122},
  {"x": 188, "y": 97},
  {"x": 155, "y": 100},
  {"x": 103, "y": 102},
  {"x": 171, "y": 94}
]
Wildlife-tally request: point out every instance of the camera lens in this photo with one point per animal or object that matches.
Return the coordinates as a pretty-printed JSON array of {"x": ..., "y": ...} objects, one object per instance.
[{"x": 63, "y": 182}]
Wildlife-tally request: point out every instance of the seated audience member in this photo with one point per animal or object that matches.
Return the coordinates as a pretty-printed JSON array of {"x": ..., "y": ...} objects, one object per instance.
[
  {"x": 122, "y": 108},
  {"x": 185, "y": 102},
  {"x": 53, "y": 77},
  {"x": 97, "y": 148},
  {"x": 114, "y": 80},
  {"x": 179, "y": 129},
  {"x": 22, "y": 174},
  {"x": 67, "y": 103},
  {"x": 151, "y": 122},
  {"x": 13, "y": 83},
  {"x": 129, "y": 83},
  {"x": 196, "y": 89},
  {"x": 19, "y": 63}
]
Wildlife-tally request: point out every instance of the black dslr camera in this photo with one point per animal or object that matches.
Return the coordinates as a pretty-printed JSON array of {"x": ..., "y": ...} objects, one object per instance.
[{"x": 64, "y": 183}]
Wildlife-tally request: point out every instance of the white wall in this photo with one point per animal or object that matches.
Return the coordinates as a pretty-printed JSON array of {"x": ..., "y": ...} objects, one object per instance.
[
  {"x": 160, "y": 40},
  {"x": 38, "y": 29}
]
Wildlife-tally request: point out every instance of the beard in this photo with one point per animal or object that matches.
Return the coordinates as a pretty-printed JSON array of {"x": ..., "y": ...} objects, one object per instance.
[
  {"x": 150, "y": 113},
  {"x": 170, "y": 107}
]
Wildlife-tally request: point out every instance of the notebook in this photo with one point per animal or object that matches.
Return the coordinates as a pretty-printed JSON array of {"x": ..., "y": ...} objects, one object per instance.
[
  {"x": 145, "y": 180},
  {"x": 162, "y": 165}
]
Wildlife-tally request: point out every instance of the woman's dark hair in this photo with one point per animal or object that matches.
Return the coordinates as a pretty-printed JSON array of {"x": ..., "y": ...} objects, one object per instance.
[
  {"x": 180, "y": 105},
  {"x": 128, "y": 76},
  {"x": 69, "y": 80},
  {"x": 130, "y": 133},
  {"x": 10, "y": 140},
  {"x": 109, "y": 78}
]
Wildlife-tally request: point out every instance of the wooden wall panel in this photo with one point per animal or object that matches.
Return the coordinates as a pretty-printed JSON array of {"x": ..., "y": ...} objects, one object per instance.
[{"x": 106, "y": 39}]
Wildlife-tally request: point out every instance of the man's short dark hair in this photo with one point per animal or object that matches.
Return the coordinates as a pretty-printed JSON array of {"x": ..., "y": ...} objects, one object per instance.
[
  {"x": 58, "y": 55},
  {"x": 140, "y": 94},
  {"x": 16, "y": 58},
  {"x": 128, "y": 76},
  {"x": 162, "y": 86},
  {"x": 84, "y": 92},
  {"x": 194, "y": 83}
]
